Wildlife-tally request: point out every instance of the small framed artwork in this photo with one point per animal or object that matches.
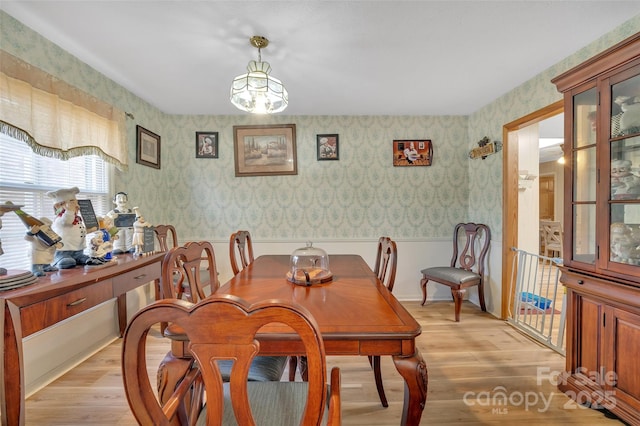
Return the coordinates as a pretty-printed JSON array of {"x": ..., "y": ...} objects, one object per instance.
[
  {"x": 418, "y": 152},
  {"x": 265, "y": 150},
  {"x": 147, "y": 147},
  {"x": 328, "y": 147},
  {"x": 206, "y": 144}
]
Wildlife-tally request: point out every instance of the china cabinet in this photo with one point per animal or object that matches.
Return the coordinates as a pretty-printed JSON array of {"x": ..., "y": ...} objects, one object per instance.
[{"x": 601, "y": 255}]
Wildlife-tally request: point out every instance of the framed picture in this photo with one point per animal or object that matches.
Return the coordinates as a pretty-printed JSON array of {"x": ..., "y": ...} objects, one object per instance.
[
  {"x": 206, "y": 144},
  {"x": 328, "y": 147},
  {"x": 265, "y": 150},
  {"x": 412, "y": 152},
  {"x": 148, "y": 148}
]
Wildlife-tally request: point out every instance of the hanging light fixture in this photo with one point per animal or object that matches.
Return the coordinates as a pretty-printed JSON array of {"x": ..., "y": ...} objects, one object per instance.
[{"x": 256, "y": 91}]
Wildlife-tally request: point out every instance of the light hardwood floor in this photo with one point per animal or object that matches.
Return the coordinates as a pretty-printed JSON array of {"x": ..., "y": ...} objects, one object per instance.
[{"x": 479, "y": 357}]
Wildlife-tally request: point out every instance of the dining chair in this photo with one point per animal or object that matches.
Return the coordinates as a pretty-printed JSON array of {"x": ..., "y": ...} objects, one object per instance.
[
  {"x": 552, "y": 232},
  {"x": 163, "y": 234},
  {"x": 240, "y": 250},
  {"x": 193, "y": 266},
  {"x": 220, "y": 329},
  {"x": 465, "y": 270},
  {"x": 241, "y": 255},
  {"x": 385, "y": 269}
]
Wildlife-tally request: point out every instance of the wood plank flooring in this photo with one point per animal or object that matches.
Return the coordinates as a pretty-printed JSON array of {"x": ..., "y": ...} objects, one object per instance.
[{"x": 480, "y": 357}]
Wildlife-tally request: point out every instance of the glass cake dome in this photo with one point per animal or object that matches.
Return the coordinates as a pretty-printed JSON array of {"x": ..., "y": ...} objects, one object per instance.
[{"x": 309, "y": 265}]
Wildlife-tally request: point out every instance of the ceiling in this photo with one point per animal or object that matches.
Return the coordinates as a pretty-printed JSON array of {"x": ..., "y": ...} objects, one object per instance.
[{"x": 335, "y": 57}]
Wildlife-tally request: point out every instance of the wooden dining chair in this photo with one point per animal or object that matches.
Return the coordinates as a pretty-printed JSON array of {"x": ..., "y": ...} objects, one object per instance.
[
  {"x": 552, "y": 232},
  {"x": 240, "y": 250},
  {"x": 164, "y": 233},
  {"x": 470, "y": 247},
  {"x": 241, "y": 255},
  {"x": 385, "y": 269},
  {"x": 193, "y": 266},
  {"x": 222, "y": 329}
]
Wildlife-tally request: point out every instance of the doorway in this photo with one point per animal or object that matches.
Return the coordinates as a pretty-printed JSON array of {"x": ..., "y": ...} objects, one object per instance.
[{"x": 510, "y": 167}]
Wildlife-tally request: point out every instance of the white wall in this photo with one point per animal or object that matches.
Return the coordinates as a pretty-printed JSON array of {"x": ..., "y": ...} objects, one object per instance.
[{"x": 529, "y": 198}]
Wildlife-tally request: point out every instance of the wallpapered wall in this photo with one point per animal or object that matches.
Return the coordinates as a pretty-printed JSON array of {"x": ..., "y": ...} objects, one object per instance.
[
  {"x": 486, "y": 182},
  {"x": 360, "y": 196}
]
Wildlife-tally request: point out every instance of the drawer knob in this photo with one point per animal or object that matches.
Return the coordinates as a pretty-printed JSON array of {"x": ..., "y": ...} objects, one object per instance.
[
  {"x": 140, "y": 277},
  {"x": 77, "y": 302},
  {"x": 580, "y": 282}
]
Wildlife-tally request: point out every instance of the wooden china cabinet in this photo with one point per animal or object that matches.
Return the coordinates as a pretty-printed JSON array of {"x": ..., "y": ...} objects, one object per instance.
[{"x": 601, "y": 269}]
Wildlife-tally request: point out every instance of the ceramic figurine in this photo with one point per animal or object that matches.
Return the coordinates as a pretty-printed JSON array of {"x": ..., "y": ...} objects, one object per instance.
[
  {"x": 124, "y": 242},
  {"x": 138, "y": 232},
  {"x": 7, "y": 206},
  {"x": 69, "y": 225},
  {"x": 41, "y": 254}
]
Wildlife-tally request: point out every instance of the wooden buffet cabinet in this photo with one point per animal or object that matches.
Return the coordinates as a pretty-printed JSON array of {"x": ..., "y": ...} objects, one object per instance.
[
  {"x": 601, "y": 269},
  {"x": 54, "y": 298}
]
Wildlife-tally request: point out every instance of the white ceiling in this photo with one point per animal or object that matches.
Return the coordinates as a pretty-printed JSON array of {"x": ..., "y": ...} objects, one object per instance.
[{"x": 335, "y": 57}]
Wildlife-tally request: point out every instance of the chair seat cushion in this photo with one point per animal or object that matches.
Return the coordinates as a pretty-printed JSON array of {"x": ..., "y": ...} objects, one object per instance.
[
  {"x": 449, "y": 274},
  {"x": 273, "y": 403},
  {"x": 263, "y": 368}
]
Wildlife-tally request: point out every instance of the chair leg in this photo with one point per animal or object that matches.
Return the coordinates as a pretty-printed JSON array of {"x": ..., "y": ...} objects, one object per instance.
[
  {"x": 375, "y": 363},
  {"x": 458, "y": 295},
  {"x": 483, "y": 306},
  {"x": 423, "y": 285}
]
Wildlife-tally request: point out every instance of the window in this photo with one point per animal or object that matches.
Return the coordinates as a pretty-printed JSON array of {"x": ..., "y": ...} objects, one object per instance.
[{"x": 26, "y": 177}]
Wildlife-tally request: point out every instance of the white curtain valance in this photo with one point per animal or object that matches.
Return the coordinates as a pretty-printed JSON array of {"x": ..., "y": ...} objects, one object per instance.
[{"x": 56, "y": 119}]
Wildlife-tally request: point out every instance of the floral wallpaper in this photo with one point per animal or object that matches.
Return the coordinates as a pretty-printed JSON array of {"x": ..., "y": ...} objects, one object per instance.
[
  {"x": 361, "y": 196},
  {"x": 486, "y": 180}
]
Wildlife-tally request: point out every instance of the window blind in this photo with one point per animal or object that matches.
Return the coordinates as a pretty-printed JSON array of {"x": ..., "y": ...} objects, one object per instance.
[{"x": 26, "y": 177}]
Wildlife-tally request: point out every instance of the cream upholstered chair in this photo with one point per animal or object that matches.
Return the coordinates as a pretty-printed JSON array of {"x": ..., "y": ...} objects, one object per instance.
[
  {"x": 222, "y": 329},
  {"x": 240, "y": 250},
  {"x": 193, "y": 266},
  {"x": 470, "y": 247},
  {"x": 385, "y": 270}
]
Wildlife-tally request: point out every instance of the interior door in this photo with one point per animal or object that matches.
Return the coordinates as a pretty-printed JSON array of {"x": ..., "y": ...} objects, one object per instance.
[{"x": 547, "y": 197}]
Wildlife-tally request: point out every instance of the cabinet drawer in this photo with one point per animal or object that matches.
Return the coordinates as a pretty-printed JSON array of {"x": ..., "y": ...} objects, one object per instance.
[
  {"x": 134, "y": 279},
  {"x": 48, "y": 312}
]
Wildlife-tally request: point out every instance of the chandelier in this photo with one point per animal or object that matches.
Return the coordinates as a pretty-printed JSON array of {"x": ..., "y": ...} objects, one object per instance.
[{"x": 256, "y": 91}]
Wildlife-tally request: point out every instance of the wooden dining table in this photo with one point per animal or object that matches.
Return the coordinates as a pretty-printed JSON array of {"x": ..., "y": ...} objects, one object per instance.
[{"x": 356, "y": 313}]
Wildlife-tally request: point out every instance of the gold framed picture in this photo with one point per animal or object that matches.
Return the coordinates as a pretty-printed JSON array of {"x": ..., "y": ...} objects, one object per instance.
[{"x": 265, "y": 150}]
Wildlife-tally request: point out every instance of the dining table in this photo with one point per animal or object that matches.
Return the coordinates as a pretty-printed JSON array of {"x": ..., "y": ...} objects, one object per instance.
[{"x": 356, "y": 313}]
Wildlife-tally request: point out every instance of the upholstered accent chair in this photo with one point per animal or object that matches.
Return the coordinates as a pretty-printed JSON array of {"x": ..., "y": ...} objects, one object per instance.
[{"x": 470, "y": 247}]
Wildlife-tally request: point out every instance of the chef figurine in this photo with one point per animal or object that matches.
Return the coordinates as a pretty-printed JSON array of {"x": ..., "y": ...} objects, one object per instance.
[
  {"x": 123, "y": 243},
  {"x": 138, "y": 232},
  {"x": 41, "y": 254},
  {"x": 6, "y": 207},
  {"x": 69, "y": 225}
]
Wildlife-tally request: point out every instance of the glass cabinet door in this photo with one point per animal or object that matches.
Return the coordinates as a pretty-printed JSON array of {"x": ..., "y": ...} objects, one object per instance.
[
  {"x": 584, "y": 176},
  {"x": 624, "y": 194}
]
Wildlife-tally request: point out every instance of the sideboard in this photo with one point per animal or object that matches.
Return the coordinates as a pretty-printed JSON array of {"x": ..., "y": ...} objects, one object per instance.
[{"x": 54, "y": 298}]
